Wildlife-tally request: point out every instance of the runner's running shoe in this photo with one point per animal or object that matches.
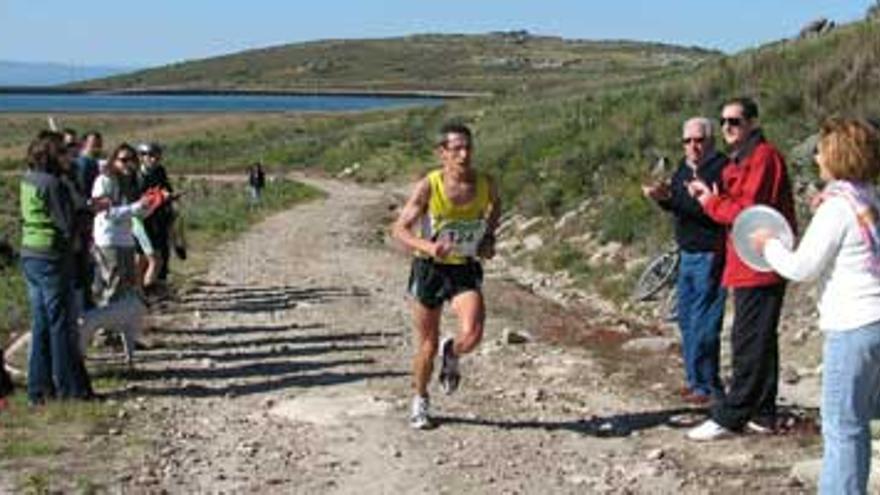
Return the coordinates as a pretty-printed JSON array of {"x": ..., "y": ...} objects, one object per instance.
[
  {"x": 449, "y": 375},
  {"x": 419, "y": 419}
]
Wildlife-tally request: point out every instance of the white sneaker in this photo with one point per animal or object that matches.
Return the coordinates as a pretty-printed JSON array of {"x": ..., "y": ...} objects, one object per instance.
[
  {"x": 449, "y": 375},
  {"x": 708, "y": 431},
  {"x": 755, "y": 427},
  {"x": 418, "y": 418}
]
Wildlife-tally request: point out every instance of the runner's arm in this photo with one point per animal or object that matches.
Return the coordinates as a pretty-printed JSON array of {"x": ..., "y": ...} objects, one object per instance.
[
  {"x": 487, "y": 245},
  {"x": 412, "y": 211}
]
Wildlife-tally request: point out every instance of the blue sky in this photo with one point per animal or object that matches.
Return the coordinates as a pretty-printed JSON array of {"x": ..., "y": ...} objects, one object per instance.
[{"x": 155, "y": 32}]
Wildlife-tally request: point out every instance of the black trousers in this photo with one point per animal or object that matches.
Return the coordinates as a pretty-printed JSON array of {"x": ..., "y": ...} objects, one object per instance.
[{"x": 755, "y": 349}]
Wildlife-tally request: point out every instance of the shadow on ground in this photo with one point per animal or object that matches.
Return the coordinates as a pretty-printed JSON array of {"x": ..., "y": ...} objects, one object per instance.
[
  {"x": 239, "y": 359},
  {"x": 791, "y": 420}
]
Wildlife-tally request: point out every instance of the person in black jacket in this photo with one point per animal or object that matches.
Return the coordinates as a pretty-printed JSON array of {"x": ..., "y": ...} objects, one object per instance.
[
  {"x": 701, "y": 243},
  {"x": 158, "y": 225}
]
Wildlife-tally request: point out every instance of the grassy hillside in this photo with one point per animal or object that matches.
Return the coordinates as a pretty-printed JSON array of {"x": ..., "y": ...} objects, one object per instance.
[
  {"x": 550, "y": 145},
  {"x": 500, "y": 62}
]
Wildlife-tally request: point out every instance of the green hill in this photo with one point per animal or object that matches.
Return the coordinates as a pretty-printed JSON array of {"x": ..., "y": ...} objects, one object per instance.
[
  {"x": 430, "y": 62},
  {"x": 553, "y": 138}
]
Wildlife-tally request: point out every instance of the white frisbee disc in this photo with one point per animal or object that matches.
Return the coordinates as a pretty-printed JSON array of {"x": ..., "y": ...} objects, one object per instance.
[{"x": 752, "y": 219}]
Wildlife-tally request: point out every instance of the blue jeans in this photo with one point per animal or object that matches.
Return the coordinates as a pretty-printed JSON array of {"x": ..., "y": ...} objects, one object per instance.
[
  {"x": 54, "y": 364},
  {"x": 850, "y": 399},
  {"x": 700, "y": 316}
]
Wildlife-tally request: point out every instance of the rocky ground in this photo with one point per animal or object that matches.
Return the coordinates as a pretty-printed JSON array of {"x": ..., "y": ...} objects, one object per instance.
[{"x": 284, "y": 369}]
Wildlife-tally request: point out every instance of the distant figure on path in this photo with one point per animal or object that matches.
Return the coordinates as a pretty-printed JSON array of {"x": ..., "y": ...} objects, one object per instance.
[
  {"x": 841, "y": 248},
  {"x": 701, "y": 243},
  {"x": 756, "y": 175},
  {"x": 456, "y": 210},
  {"x": 256, "y": 182}
]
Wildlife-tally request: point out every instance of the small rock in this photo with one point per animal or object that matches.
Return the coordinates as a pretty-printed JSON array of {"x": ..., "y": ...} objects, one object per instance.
[
  {"x": 536, "y": 394},
  {"x": 650, "y": 344},
  {"x": 510, "y": 336},
  {"x": 656, "y": 454},
  {"x": 793, "y": 482},
  {"x": 147, "y": 480},
  {"x": 533, "y": 242},
  {"x": 790, "y": 375}
]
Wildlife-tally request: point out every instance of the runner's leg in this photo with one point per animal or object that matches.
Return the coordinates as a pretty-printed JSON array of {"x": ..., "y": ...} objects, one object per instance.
[
  {"x": 471, "y": 313},
  {"x": 427, "y": 326}
]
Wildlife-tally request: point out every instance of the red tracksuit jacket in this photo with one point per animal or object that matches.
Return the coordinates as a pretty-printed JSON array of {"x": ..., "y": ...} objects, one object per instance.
[{"x": 759, "y": 177}]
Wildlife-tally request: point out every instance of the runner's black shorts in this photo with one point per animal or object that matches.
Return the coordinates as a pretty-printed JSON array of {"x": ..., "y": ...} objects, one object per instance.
[{"x": 434, "y": 283}]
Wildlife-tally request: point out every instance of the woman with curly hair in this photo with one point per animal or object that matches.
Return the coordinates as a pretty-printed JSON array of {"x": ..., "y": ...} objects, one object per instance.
[{"x": 841, "y": 248}]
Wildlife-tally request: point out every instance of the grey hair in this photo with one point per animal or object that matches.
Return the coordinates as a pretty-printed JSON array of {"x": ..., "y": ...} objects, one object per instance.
[{"x": 706, "y": 124}]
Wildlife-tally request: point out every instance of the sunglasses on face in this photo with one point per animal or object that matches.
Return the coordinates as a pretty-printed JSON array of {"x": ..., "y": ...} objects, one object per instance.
[
  {"x": 731, "y": 121},
  {"x": 693, "y": 140}
]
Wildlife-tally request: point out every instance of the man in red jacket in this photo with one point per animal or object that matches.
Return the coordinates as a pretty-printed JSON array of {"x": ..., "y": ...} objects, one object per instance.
[{"x": 756, "y": 175}]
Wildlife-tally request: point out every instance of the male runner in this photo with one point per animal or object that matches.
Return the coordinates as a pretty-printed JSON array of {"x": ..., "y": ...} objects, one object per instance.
[{"x": 456, "y": 209}]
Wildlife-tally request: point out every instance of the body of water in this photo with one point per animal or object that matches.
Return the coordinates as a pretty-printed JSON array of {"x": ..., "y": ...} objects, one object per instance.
[{"x": 143, "y": 103}]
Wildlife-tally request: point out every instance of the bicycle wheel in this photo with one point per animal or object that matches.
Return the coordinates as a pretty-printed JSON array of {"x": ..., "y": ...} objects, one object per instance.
[
  {"x": 659, "y": 272},
  {"x": 669, "y": 308}
]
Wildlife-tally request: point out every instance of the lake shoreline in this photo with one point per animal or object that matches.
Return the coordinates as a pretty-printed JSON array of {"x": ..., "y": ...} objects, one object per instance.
[{"x": 410, "y": 93}]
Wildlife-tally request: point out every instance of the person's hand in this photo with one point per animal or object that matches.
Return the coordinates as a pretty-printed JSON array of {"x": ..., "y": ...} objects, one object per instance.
[
  {"x": 701, "y": 191},
  {"x": 658, "y": 191},
  {"x": 758, "y": 239},
  {"x": 98, "y": 205},
  {"x": 442, "y": 247}
]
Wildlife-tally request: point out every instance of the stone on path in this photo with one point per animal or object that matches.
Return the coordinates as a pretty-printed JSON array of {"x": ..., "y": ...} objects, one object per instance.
[
  {"x": 331, "y": 410},
  {"x": 650, "y": 344}
]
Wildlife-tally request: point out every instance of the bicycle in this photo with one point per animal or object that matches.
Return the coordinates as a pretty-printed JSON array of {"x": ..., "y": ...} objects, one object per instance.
[{"x": 658, "y": 278}]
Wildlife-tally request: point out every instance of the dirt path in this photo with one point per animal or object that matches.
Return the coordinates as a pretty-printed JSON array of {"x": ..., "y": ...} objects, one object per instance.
[{"x": 286, "y": 371}]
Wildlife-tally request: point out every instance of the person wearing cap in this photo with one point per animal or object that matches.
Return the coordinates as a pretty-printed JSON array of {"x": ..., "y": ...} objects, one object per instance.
[
  {"x": 756, "y": 174},
  {"x": 158, "y": 225}
]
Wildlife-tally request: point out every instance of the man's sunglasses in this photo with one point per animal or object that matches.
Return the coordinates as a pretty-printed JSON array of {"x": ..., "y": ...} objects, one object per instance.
[
  {"x": 731, "y": 121},
  {"x": 692, "y": 140}
]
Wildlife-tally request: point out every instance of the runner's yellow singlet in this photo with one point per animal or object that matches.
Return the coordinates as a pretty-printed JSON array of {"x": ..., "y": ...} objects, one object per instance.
[{"x": 464, "y": 224}]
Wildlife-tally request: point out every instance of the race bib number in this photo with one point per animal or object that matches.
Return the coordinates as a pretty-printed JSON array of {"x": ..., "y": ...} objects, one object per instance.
[{"x": 464, "y": 235}]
